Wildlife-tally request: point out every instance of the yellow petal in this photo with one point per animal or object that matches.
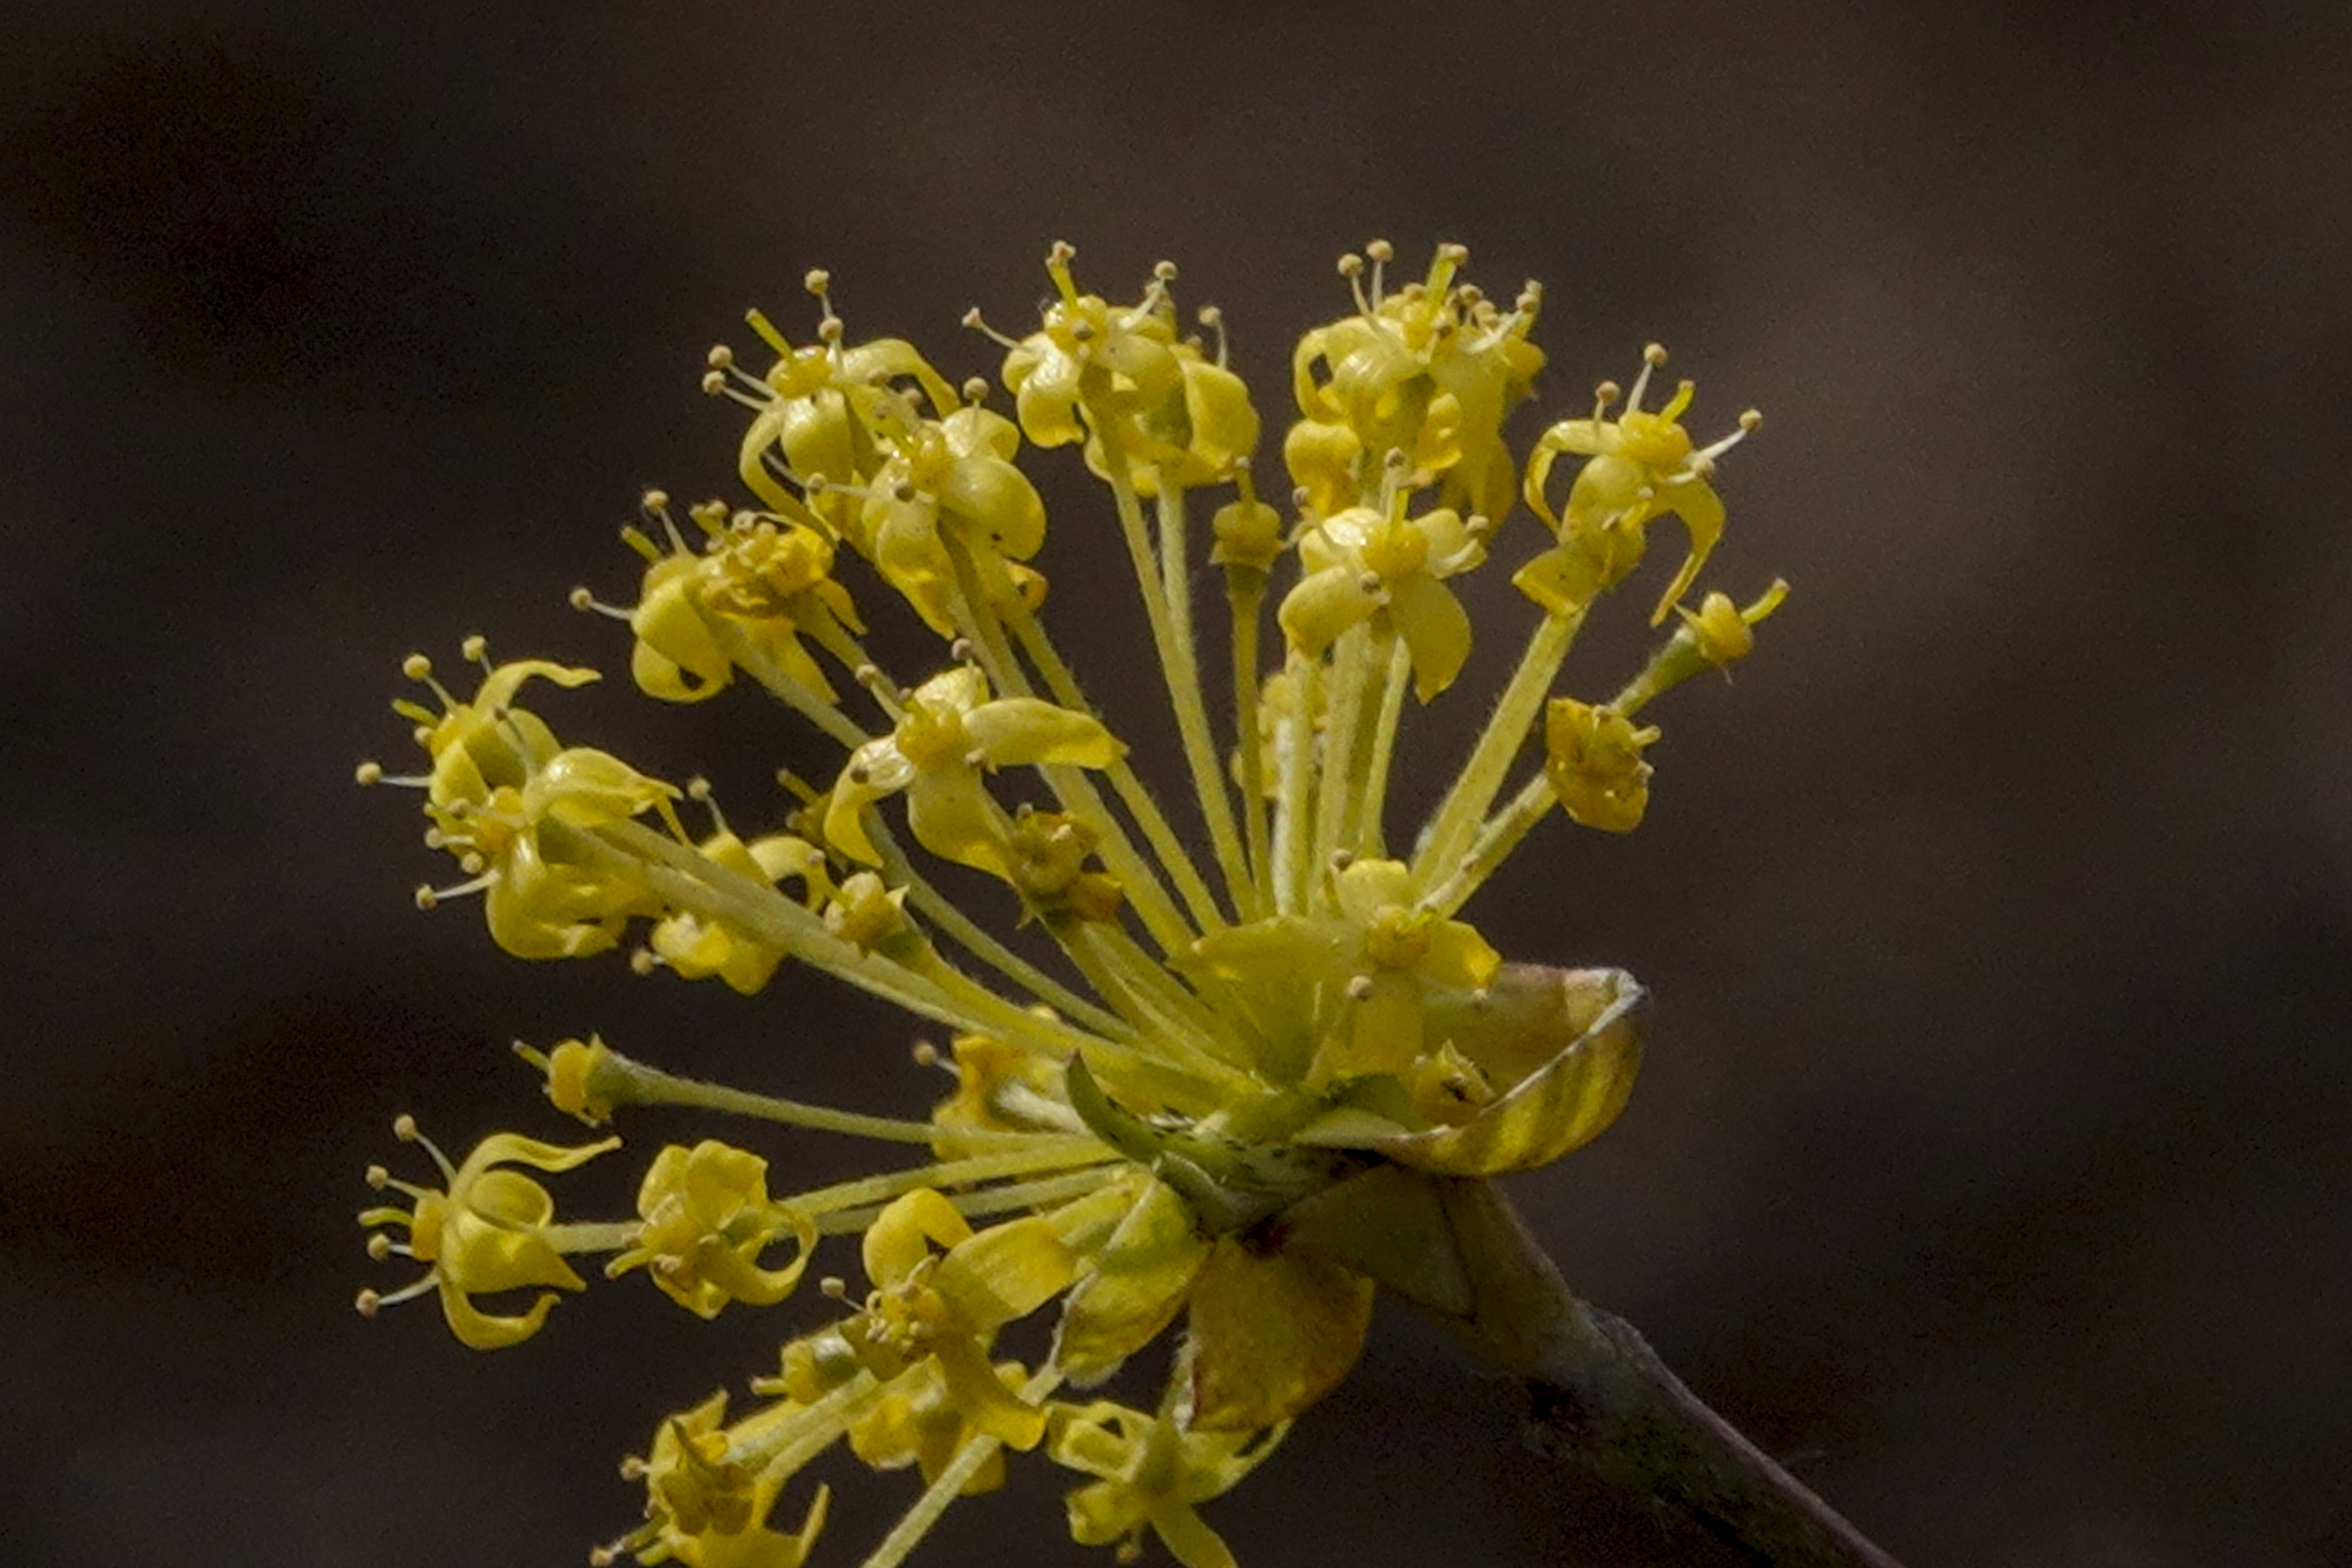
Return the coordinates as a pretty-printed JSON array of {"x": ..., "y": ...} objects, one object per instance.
[
  {"x": 1006, "y": 1271},
  {"x": 1435, "y": 628},
  {"x": 477, "y": 1329},
  {"x": 1018, "y": 730},
  {"x": 902, "y": 1234}
]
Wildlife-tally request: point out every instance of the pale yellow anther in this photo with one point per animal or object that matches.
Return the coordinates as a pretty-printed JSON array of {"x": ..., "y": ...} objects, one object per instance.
[
  {"x": 368, "y": 773},
  {"x": 1380, "y": 251},
  {"x": 379, "y": 1246},
  {"x": 714, "y": 383},
  {"x": 580, "y": 599},
  {"x": 720, "y": 357},
  {"x": 1351, "y": 265},
  {"x": 416, "y": 667},
  {"x": 1360, "y": 988},
  {"x": 368, "y": 1303},
  {"x": 1654, "y": 354},
  {"x": 1751, "y": 421},
  {"x": 817, "y": 280},
  {"x": 1164, "y": 271}
]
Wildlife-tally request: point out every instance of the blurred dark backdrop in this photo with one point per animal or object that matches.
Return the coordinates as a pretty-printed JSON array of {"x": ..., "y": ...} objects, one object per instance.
[{"x": 1992, "y": 1159}]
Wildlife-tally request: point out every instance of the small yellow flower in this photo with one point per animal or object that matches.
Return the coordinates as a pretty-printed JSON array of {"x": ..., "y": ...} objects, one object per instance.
[
  {"x": 707, "y": 1220},
  {"x": 1112, "y": 360},
  {"x": 1430, "y": 370},
  {"x": 576, "y": 1076},
  {"x": 951, "y": 729},
  {"x": 1047, "y": 855},
  {"x": 1593, "y": 758},
  {"x": 918, "y": 1420},
  {"x": 488, "y": 1231},
  {"x": 947, "y": 1306},
  {"x": 502, "y": 795},
  {"x": 1361, "y": 565},
  {"x": 759, "y": 583},
  {"x": 1714, "y": 636},
  {"x": 1152, "y": 1474},
  {"x": 814, "y": 411},
  {"x": 958, "y": 472},
  {"x": 693, "y": 945},
  {"x": 1377, "y": 950},
  {"x": 709, "y": 1509},
  {"x": 1642, "y": 465}
]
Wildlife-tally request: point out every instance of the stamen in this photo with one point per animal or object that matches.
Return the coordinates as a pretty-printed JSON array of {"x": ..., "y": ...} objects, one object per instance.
[
  {"x": 1382, "y": 252},
  {"x": 972, "y": 319},
  {"x": 1059, "y": 257},
  {"x": 405, "y": 1128},
  {"x": 716, "y": 384},
  {"x": 416, "y": 667},
  {"x": 581, "y": 599},
  {"x": 1351, "y": 267},
  {"x": 430, "y": 897},
  {"x": 1214, "y": 319},
  {"x": 1750, "y": 423},
  {"x": 1653, "y": 356}
]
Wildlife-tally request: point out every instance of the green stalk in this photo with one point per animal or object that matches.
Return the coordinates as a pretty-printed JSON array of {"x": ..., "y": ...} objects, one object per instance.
[
  {"x": 1457, "y": 816},
  {"x": 1496, "y": 839},
  {"x": 1246, "y": 591},
  {"x": 1190, "y": 701}
]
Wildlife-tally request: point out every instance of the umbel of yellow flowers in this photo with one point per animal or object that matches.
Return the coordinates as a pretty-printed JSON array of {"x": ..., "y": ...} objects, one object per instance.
[{"x": 1259, "y": 1047}]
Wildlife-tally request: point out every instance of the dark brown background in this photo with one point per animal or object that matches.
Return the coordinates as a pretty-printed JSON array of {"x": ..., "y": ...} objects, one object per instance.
[{"x": 1992, "y": 1159}]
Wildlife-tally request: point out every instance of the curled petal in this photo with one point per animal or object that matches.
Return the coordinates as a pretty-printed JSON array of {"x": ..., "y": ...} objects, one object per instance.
[{"x": 480, "y": 1331}]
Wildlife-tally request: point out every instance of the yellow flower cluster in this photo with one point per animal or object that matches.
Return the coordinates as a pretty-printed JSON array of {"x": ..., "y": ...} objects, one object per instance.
[{"x": 1257, "y": 1057}]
